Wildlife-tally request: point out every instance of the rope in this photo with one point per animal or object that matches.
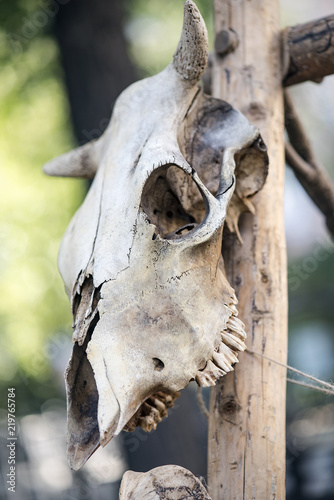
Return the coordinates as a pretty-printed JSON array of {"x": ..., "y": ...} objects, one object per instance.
[
  {"x": 311, "y": 386},
  {"x": 201, "y": 401},
  {"x": 325, "y": 387}
]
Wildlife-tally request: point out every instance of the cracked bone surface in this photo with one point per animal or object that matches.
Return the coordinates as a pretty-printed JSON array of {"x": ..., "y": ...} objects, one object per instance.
[
  {"x": 141, "y": 258},
  {"x": 169, "y": 481}
]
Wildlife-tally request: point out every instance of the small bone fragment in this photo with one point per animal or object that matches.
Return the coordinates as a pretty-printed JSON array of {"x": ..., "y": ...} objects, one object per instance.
[{"x": 170, "y": 482}]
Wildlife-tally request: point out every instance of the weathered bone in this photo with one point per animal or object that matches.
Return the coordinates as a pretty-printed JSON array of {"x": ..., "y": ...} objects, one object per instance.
[
  {"x": 169, "y": 481},
  {"x": 141, "y": 258},
  {"x": 82, "y": 162},
  {"x": 191, "y": 56}
]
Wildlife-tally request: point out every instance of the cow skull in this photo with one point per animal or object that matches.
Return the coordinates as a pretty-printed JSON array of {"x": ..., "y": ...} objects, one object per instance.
[{"x": 141, "y": 259}]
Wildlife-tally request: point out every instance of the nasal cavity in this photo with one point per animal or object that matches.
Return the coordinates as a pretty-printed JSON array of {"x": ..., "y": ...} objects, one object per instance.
[
  {"x": 172, "y": 202},
  {"x": 158, "y": 364}
]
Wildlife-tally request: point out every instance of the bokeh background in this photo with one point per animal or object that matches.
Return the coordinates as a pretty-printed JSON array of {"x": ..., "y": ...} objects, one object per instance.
[{"x": 53, "y": 97}]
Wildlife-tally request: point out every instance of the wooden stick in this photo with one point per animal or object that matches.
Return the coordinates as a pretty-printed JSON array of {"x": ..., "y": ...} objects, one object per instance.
[
  {"x": 300, "y": 157},
  {"x": 308, "y": 51},
  {"x": 247, "y": 408}
]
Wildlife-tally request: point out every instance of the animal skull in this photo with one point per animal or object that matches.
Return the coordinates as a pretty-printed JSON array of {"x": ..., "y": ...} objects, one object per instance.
[{"x": 141, "y": 259}]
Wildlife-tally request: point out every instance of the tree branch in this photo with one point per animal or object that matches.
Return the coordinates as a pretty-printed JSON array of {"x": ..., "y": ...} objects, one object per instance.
[
  {"x": 296, "y": 162},
  {"x": 300, "y": 157},
  {"x": 296, "y": 131},
  {"x": 308, "y": 51}
]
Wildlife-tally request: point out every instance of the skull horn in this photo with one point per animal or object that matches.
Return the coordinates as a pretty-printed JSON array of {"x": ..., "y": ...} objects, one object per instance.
[
  {"x": 81, "y": 162},
  {"x": 191, "y": 55}
]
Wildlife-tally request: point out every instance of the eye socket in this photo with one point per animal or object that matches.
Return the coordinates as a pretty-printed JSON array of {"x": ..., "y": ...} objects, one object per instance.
[
  {"x": 158, "y": 364},
  {"x": 172, "y": 201}
]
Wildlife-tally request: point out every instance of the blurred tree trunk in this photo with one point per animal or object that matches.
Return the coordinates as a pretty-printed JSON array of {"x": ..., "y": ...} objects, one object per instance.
[{"x": 95, "y": 60}]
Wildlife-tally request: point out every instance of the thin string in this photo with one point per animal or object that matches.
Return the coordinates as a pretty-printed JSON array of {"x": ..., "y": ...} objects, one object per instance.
[
  {"x": 311, "y": 386},
  {"x": 326, "y": 387}
]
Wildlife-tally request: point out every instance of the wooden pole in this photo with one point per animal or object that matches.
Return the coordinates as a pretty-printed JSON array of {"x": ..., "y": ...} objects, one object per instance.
[{"x": 247, "y": 408}]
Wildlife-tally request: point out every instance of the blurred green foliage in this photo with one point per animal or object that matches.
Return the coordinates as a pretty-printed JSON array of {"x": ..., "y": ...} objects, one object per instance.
[
  {"x": 34, "y": 209},
  {"x": 153, "y": 30}
]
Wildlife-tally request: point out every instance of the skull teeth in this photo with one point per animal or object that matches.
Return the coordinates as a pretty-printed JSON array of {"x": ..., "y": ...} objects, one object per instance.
[
  {"x": 204, "y": 379},
  {"x": 152, "y": 411},
  {"x": 153, "y": 416},
  {"x": 210, "y": 375},
  {"x": 216, "y": 371},
  {"x": 232, "y": 341},
  {"x": 234, "y": 300},
  {"x": 148, "y": 423},
  {"x": 233, "y": 309},
  {"x": 166, "y": 398},
  {"x": 229, "y": 354},
  {"x": 220, "y": 360},
  {"x": 236, "y": 326},
  {"x": 159, "y": 405}
]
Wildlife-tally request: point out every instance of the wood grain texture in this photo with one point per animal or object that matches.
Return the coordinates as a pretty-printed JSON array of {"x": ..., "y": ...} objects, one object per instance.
[
  {"x": 247, "y": 408},
  {"x": 308, "y": 51}
]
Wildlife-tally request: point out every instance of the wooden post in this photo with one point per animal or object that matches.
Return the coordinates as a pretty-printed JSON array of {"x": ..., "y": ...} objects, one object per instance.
[{"x": 247, "y": 408}]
